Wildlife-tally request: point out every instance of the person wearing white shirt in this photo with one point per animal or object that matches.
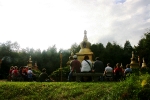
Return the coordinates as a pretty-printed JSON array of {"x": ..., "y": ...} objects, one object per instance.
[
  {"x": 30, "y": 74},
  {"x": 86, "y": 65},
  {"x": 108, "y": 73}
]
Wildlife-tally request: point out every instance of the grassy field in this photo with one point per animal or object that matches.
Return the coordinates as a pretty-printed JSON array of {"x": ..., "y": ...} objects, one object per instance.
[{"x": 125, "y": 90}]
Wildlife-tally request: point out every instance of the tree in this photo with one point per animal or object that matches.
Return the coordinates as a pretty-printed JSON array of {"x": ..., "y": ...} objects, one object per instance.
[
  {"x": 50, "y": 59},
  {"x": 98, "y": 51},
  {"x": 143, "y": 48},
  {"x": 113, "y": 53},
  {"x": 127, "y": 51},
  {"x": 74, "y": 48}
]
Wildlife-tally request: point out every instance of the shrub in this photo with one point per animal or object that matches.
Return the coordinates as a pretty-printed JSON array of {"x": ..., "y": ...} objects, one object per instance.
[
  {"x": 145, "y": 70},
  {"x": 144, "y": 93},
  {"x": 128, "y": 89},
  {"x": 57, "y": 74}
]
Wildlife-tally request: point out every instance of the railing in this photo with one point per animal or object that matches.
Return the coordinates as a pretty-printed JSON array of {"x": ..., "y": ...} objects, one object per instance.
[{"x": 94, "y": 76}]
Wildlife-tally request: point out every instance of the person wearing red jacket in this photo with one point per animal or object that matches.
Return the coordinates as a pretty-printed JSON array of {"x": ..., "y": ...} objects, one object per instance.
[{"x": 118, "y": 72}]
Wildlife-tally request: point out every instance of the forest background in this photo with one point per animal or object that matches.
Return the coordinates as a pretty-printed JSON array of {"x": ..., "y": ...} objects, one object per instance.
[{"x": 12, "y": 55}]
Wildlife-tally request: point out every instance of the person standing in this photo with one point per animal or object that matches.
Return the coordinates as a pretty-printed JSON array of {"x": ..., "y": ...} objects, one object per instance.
[
  {"x": 70, "y": 59},
  {"x": 24, "y": 74},
  {"x": 10, "y": 73},
  {"x": 75, "y": 66},
  {"x": 30, "y": 74},
  {"x": 15, "y": 73}
]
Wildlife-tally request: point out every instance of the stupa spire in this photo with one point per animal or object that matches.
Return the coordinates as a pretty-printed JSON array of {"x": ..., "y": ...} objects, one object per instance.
[
  {"x": 133, "y": 63},
  {"x": 85, "y": 37},
  {"x": 143, "y": 64},
  {"x": 30, "y": 59},
  {"x": 133, "y": 57},
  {"x": 132, "y": 54},
  {"x": 85, "y": 43},
  {"x": 29, "y": 62},
  {"x": 143, "y": 60},
  {"x": 85, "y": 48}
]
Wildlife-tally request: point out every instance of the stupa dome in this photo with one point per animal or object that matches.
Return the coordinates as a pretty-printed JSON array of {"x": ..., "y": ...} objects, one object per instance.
[
  {"x": 85, "y": 44},
  {"x": 85, "y": 49}
]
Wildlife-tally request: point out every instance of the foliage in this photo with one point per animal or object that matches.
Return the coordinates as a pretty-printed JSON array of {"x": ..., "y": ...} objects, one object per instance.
[
  {"x": 144, "y": 70},
  {"x": 36, "y": 71},
  {"x": 127, "y": 50},
  {"x": 12, "y": 55},
  {"x": 74, "y": 48},
  {"x": 115, "y": 53},
  {"x": 143, "y": 48},
  {"x": 57, "y": 74},
  {"x": 98, "y": 50},
  {"x": 130, "y": 89},
  {"x": 144, "y": 93}
]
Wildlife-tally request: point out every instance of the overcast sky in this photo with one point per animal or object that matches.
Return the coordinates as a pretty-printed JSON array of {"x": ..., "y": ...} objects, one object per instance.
[{"x": 43, "y": 23}]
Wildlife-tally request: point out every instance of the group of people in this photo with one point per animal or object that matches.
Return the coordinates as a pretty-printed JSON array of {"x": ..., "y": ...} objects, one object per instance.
[
  {"x": 20, "y": 74},
  {"x": 87, "y": 66},
  {"x": 26, "y": 74},
  {"x": 118, "y": 72}
]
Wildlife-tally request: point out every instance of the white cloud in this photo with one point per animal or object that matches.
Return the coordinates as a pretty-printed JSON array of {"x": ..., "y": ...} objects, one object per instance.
[{"x": 40, "y": 24}]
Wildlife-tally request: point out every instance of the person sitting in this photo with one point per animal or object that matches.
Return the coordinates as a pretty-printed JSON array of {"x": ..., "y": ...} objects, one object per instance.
[
  {"x": 118, "y": 72},
  {"x": 43, "y": 77},
  {"x": 98, "y": 67},
  {"x": 108, "y": 73},
  {"x": 86, "y": 66},
  {"x": 127, "y": 71},
  {"x": 75, "y": 67}
]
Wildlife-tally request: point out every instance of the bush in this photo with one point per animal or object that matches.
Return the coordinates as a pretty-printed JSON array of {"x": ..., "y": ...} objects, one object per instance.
[
  {"x": 37, "y": 73},
  {"x": 57, "y": 74},
  {"x": 145, "y": 70},
  {"x": 127, "y": 89},
  {"x": 144, "y": 93}
]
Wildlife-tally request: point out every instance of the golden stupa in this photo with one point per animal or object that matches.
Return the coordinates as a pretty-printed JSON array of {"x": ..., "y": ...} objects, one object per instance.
[
  {"x": 133, "y": 63},
  {"x": 144, "y": 64},
  {"x": 29, "y": 62},
  {"x": 85, "y": 48}
]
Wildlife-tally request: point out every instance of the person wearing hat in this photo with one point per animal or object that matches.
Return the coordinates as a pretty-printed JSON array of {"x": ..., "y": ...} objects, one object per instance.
[{"x": 75, "y": 67}]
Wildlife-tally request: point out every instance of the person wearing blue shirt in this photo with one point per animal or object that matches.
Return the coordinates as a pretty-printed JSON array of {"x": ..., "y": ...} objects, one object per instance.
[{"x": 128, "y": 70}]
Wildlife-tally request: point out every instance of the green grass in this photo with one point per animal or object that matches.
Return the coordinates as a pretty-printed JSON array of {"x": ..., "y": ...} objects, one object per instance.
[
  {"x": 53, "y": 90},
  {"x": 125, "y": 90}
]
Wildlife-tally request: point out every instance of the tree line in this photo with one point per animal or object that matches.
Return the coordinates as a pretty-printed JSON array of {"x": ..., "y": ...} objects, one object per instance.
[{"x": 12, "y": 55}]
